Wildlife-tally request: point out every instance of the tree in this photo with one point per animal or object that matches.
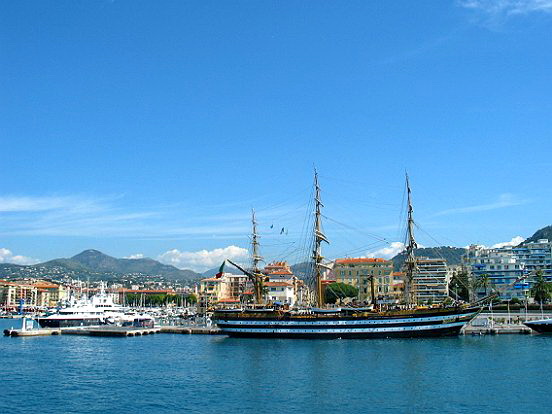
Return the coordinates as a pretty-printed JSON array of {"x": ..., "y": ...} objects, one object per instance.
[
  {"x": 483, "y": 282},
  {"x": 459, "y": 286},
  {"x": 542, "y": 289},
  {"x": 192, "y": 299},
  {"x": 339, "y": 291}
]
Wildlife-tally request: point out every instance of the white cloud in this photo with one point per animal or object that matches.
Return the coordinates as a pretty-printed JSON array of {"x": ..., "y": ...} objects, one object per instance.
[
  {"x": 203, "y": 259},
  {"x": 6, "y": 256},
  {"x": 387, "y": 252},
  {"x": 134, "y": 256},
  {"x": 494, "y": 13},
  {"x": 508, "y": 7},
  {"x": 514, "y": 242},
  {"x": 109, "y": 216},
  {"x": 38, "y": 203},
  {"x": 503, "y": 201}
]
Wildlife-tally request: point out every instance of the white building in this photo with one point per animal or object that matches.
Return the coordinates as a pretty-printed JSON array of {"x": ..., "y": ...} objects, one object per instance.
[
  {"x": 282, "y": 292},
  {"x": 431, "y": 280},
  {"x": 536, "y": 256},
  {"x": 282, "y": 285},
  {"x": 502, "y": 266}
]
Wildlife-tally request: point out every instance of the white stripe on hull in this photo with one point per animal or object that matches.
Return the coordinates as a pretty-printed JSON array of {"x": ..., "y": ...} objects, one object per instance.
[
  {"x": 308, "y": 323},
  {"x": 345, "y": 330}
]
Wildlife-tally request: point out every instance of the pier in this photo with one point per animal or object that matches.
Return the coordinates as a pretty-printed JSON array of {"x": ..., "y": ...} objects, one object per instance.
[{"x": 113, "y": 331}]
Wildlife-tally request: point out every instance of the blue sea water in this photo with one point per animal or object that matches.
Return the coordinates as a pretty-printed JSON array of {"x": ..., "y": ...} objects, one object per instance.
[{"x": 214, "y": 374}]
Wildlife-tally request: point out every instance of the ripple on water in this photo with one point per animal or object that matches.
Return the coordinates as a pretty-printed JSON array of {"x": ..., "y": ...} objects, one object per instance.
[{"x": 204, "y": 374}]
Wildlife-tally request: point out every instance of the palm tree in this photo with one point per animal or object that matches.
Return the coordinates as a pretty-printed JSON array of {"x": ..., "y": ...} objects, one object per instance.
[
  {"x": 541, "y": 289},
  {"x": 483, "y": 282}
]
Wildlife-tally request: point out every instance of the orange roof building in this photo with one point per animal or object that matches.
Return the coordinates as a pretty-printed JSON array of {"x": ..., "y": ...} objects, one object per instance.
[{"x": 362, "y": 272}]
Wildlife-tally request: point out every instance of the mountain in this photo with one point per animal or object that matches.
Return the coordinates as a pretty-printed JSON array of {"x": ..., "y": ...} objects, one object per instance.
[
  {"x": 453, "y": 255},
  {"x": 301, "y": 270},
  {"x": 95, "y": 265},
  {"x": 228, "y": 268},
  {"x": 544, "y": 233}
]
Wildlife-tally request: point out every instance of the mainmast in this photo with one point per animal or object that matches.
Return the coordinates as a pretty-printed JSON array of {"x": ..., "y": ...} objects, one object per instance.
[
  {"x": 410, "y": 262},
  {"x": 319, "y": 237},
  {"x": 256, "y": 258}
]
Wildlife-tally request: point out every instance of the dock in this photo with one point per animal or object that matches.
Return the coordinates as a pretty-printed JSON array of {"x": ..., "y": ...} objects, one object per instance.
[
  {"x": 195, "y": 330},
  {"x": 497, "y": 330},
  {"x": 113, "y": 331}
]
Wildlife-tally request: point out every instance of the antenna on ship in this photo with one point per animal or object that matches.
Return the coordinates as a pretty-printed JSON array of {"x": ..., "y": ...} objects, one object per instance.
[
  {"x": 410, "y": 262},
  {"x": 319, "y": 237}
]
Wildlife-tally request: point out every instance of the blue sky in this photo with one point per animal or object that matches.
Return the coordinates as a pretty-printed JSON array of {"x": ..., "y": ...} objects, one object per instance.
[{"x": 148, "y": 128}]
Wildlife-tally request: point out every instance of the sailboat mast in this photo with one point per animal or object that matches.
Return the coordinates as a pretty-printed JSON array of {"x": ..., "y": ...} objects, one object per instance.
[
  {"x": 410, "y": 262},
  {"x": 319, "y": 237},
  {"x": 257, "y": 279}
]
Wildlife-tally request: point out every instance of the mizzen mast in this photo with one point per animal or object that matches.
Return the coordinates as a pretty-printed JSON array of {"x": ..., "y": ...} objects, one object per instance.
[
  {"x": 319, "y": 237},
  {"x": 410, "y": 262}
]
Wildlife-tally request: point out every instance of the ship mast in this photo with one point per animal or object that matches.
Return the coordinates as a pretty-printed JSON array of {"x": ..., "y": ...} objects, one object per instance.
[
  {"x": 410, "y": 262},
  {"x": 254, "y": 274},
  {"x": 319, "y": 237},
  {"x": 256, "y": 258}
]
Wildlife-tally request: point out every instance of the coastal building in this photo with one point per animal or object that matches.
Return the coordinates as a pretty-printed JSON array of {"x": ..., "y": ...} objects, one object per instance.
[
  {"x": 227, "y": 289},
  {"x": 536, "y": 256},
  {"x": 49, "y": 293},
  {"x": 36, "y": 293},
  {"x": 280, "y": 292},
  {"x": 360, "y": 272},
  {"x": 282, "y": 285},
  {"x": 498, "y": 269},
  {"x": 431, "y": 280},
  {"x": 12, "y": 292},
  {"x": 397, "y": 287}
]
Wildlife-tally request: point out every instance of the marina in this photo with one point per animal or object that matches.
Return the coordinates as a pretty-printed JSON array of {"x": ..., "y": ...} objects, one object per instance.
[
  {"x": 195, "y": 372},
  {"x": 483, "y": 324}
]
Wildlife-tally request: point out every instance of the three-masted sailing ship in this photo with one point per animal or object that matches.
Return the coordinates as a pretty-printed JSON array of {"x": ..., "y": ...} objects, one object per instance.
[{"x": 405, "y": 321}]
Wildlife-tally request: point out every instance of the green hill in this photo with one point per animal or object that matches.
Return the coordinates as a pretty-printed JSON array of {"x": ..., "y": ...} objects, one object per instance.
[
  {"x": 453, "y": 255},
  {"x": 95, "y": 265},
  {"x": 544, "y": 233}
]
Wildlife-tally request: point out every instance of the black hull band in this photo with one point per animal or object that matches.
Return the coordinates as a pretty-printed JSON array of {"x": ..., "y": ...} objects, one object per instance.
[
  {"x": 540, "y": 327},
  {"x": 430, "y": 333},
  {"x": 68, "y": 323}
]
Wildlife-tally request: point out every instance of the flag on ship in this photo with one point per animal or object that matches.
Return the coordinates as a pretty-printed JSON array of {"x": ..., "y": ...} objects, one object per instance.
[{"x": 221, "y": 270}]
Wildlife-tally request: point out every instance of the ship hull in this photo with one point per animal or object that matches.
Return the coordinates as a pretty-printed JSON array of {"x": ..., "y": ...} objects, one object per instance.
[
  {"x": 543, "y": 326},
  {"x": 414, "y": 325},
  {"x": 69, "y": 323}
]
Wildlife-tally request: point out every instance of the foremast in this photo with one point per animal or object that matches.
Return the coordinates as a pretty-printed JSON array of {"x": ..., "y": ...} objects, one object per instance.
[
  {"x": 256, "y": 258},
  {"x": 254, "y": 273},
  {"x": 319, "y": 237},
  {"x": 410, "y": 261}
]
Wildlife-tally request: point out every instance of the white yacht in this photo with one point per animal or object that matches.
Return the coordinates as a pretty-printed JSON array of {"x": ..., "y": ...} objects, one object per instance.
[{"x": 98, "y": 310}]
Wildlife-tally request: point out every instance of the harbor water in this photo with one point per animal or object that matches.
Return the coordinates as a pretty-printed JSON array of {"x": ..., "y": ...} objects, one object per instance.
[{"x": 167, "y": 373}]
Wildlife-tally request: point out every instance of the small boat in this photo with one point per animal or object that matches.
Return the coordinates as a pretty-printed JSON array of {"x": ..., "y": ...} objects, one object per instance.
[{"x": 540, "y": 326}]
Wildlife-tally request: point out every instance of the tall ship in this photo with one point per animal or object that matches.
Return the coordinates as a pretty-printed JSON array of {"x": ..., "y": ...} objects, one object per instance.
[{"x": 403, "y": 321}]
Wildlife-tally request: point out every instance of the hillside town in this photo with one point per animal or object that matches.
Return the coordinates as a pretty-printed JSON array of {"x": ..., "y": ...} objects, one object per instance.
[{"x": 509, "y": 271}]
